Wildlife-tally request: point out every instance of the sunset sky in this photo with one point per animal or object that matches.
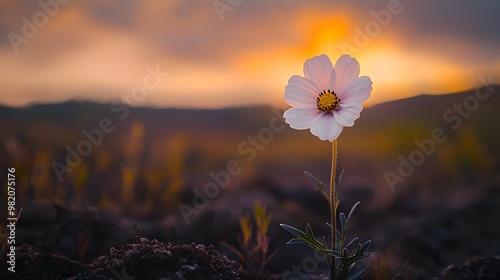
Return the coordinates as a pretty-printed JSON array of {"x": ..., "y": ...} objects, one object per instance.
[{"x": 99, "y": 49}]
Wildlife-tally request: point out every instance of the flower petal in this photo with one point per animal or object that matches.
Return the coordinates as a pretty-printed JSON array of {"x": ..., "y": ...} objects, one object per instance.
[
  {"x": 318, "y": 69},
  {"x": 357, "y": 90},
  {"x": 301, "y": 93},
  {"x": 325, "y": 127},
  {"x": 300, "y": 118},
  {"x": 347, "y": 116},
  {"x": 347, "y": 69},
  {"x": 333, "y": 80}
]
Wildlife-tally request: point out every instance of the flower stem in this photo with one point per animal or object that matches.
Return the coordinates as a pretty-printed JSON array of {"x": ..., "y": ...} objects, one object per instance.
[{"x": 333, "y": 206}]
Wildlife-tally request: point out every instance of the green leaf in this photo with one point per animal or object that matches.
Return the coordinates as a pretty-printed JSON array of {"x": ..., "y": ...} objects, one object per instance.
[
  {"x": 351, "y": 266},
  {"x": 338, "y": 242},
  {"x": 338, "y": 187},
  {"x": 345, "y": 252},
  {"x": 355, "y": 252},
  {"x": 366, "y": 255},
  {"x": 365, "y": 246},
  {"x": 343, "y": 222},
  {"x": 294, "y": 231},
  {"x": 340, "y": 177},
  {"x": 296, "y": 241},
  {"x": 309, "y": 240},
  {"x": 334, "y": 254},
  {"x": 352, "y": 241},
  {"x": 309, "y": 231},
  {"x": 339, "y": 236},
  {"x": 315, "y": 181},
  {"x": 320, "y": 187},
  {"x": 350, "y": 262},
  {"x": 352, "y": 210}
]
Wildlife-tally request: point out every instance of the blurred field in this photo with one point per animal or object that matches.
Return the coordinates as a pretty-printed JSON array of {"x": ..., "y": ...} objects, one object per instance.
[{"x": 153, "y": 159}]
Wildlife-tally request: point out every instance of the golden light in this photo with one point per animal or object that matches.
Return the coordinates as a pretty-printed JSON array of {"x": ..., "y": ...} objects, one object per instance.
[
  {"x": 326, "y": 32},
  {"x": 76, "y": 56},
  {"x": 399, "y": 74}
]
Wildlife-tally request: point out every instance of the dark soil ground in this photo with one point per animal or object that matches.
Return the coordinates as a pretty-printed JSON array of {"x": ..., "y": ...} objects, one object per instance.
[
  {"x": 150, "y": 259},
  {"x": 61, "y": 242},
  {"x": 144, "y": 259}
]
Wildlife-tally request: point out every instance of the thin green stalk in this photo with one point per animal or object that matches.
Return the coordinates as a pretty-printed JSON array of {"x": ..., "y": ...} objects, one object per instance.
[{"x": 333, "y": 206}]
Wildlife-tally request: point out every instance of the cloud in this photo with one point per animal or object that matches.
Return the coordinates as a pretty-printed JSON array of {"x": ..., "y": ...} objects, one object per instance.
[{"x": 97, "y": 49}]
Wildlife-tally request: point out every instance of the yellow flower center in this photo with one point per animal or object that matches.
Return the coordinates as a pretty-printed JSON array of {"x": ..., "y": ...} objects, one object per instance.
[{"x": 327, "y": 101}]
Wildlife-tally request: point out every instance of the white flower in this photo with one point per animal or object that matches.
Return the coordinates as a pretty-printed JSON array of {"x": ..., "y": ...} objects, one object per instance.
[{"x": 328, "y": 98}]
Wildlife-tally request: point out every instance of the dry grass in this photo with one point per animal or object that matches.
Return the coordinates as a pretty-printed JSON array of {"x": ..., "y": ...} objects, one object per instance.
[{"x": 384, "y": 265}]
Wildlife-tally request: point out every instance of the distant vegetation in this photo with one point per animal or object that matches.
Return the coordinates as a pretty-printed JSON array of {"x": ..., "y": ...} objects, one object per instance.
[{"x": 154, "y": 156}]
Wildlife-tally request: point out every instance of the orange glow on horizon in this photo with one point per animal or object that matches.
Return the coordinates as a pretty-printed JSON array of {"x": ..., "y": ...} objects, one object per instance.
[
  {"x": 325, "y": 33},
  {"x": 75, "y": 56}
]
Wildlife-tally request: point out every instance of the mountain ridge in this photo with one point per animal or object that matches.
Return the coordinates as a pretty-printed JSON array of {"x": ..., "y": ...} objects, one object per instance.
[{"x": 426, "y": 102}]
